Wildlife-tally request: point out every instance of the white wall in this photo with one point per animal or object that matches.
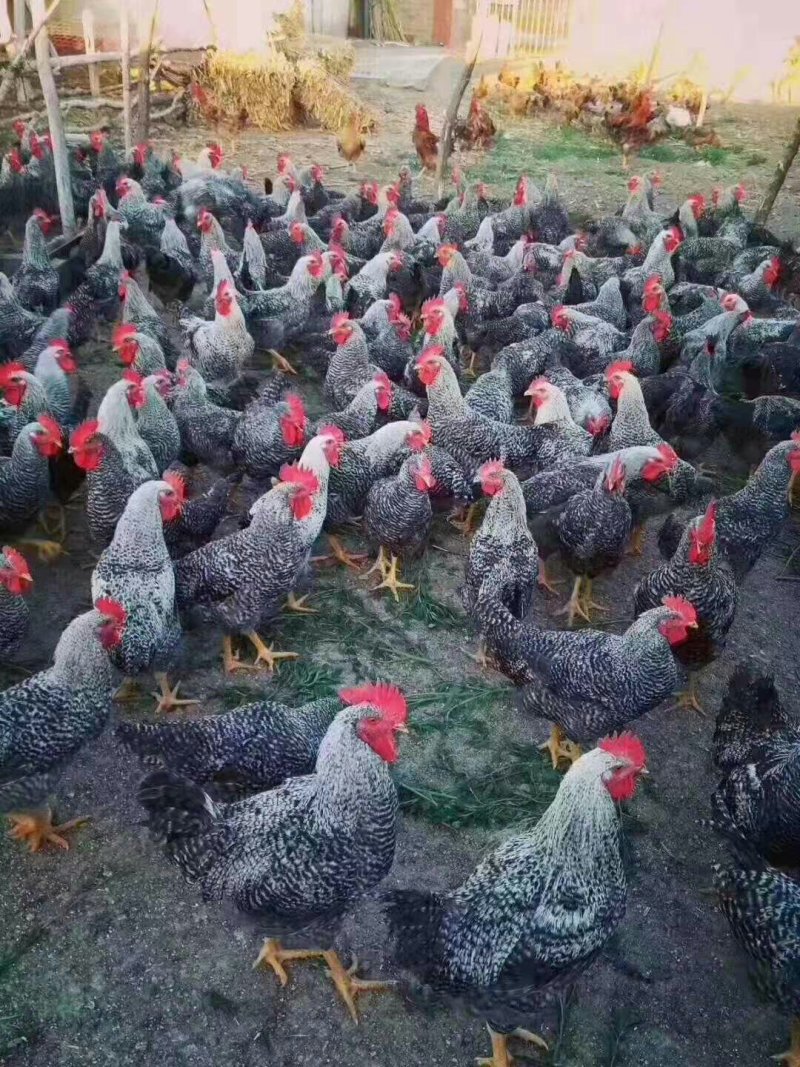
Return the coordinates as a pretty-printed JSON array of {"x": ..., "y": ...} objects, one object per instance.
[{"x": 613, "y": 36}]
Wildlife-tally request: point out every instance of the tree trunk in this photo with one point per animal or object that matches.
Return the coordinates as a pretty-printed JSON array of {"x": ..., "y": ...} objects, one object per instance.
[
  {"x": 446, "y": 140},
  {"x": 771, "y": 195},
  {"x": 54, "y": 120}
]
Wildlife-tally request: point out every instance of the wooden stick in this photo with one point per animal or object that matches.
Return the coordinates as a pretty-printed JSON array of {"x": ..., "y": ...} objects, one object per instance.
[
  {"x": 145, "y": 49},
  {"x": 701, "y": 114},
  {"x": 446, "y": 140},
  {"x": 87, "y": 16},
  {"x": 54, "y": 120},
  {"x": 782, "y": 169},
  {"x": 19, "y": 37},
  {"x": 125, "y": 45},
  {"x": 19, "y": 58}
]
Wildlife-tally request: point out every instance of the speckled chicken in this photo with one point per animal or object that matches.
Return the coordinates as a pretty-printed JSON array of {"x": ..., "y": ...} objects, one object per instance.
[
  {"x": 254, "y": 747},
  {"x": 270, "y": 433},
  {"x": 350, "y": 368},
  {"x": 25, "y": 478},
  {"x": 696, "y": 573},
  {"x": 586, "y": 682},
  {"x": 207, "y": 430},
  {"x": 219, "y": 349},
  {"x": 300, "y": 856},
  {"x": 398, "y": 517},
  {"x": 748, "y": 520},
  {"x": 279, "y": 315},
  {"x": 46, "y": 719},
  {"x": 536, "y": 912},
  {"x": 154, "y": 421},
  {"x": 757, "y": 750},
  {"x": 15, "y": 583},
  {"x": 138, "y": 351},
  {"x": 138, "y": 310},
  {"x": 36, "y": 281},
  {"x": 136, "y": 571}
]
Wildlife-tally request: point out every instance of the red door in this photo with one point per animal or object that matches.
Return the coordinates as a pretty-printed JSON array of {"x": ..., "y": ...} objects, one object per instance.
[{"x": 442, "y": 21}]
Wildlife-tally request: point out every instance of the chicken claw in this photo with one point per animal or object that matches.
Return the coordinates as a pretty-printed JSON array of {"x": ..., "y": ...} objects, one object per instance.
[
  {"x": 560, "y": 747},
  {"x": 574, "y": 606},
  {"x": 348, "y": 985},
  {"x": 391, "y": 580},
  {"x": 348, "y": 559},
  {"x": 273, "y": 955},
  {"x": 266, "y": 653},
  {"x": 638, "y": 538},
  {"x": 168, "y": 697},
  {"x": 47, "y": 551},
  {"x": 469, "y": 370},
  {"x": 36, "y": 828},
  {"x": 381, "y": 564},
  {"x": 294, "y": 603},
  {"x": 280, "y": 362},
  {"x": 792, "y": 1056},
  {"x": 501, "y": 1057},
  {"x": 689, "y": 701},
  {"x": 56, "y": 527},
  {"x": 230, "y": 660},
  {"x": 465, "y": 524},
  {"x": 545, "y": 581}
]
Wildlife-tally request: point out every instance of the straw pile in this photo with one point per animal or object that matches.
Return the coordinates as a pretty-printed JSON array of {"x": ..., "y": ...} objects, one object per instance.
[{"x": 299, "y": 78}]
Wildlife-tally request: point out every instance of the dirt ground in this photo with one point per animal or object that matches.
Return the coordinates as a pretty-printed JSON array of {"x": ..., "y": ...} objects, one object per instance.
[{"x": 107, "y": 959}]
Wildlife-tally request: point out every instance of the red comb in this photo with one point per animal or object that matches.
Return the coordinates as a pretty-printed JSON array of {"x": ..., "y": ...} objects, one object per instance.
[
  {"x": 9, "y": 371},
  {"x": 623, "y": 367},
  {"x": 420, "y": 436},
  {"x": 434, "y": 352},
  {"x": 626, "y": 746},
  {"x": 488, "y": 470},
  {"x": 112, "y": 609},
  {"x": 132, "y": 376},
  {"x": 83, "y": 434},
  {"x": 177, "y": 483},
  {"x": 296, "y": 407},
  {"x": 16, "y": 561},
  {"x": 334, "y": 432},
  {"x": 122, "y": 334},
  {"x": 294, "y": 474},
  {"x": 386, "y": 698},
  {"x": 681, "y": 606},
  {"x": 49, "y": 425}
]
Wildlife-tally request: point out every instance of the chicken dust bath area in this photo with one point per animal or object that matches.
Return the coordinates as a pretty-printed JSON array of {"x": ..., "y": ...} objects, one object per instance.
[{"x": 108, "y": 958}]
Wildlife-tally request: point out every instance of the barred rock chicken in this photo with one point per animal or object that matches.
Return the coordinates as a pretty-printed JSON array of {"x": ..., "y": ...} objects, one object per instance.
[
  {"x": 46, "y": 719},
  {"x": 138, "y": 310},
  {"x": 586, "y": 682},
  {"x": 324, "y": 839},
  {"x": 109, "y": 480},
  {"x": 748, "y": 520},
  {"x": 695, "y": 573},
  {"x": 373, "y": 281},
  {"x": 25, "y": 481},
  {"x": 104, "y": 277},
  {"x": 212, "y": 239},
  {"x": 257, "y": 746},
  {"x": 536, "y": 912},
  {"x": 762, "y": 906},
  {"x": 172, "y": 269},
  {"x": 279, "y": 315},
  {"x": 15, "y": 583},
  {"x": 755, "y": 748},
  {"x": 593, "y": 531},
  {"x": 36, "y": 282},
  {"x": 397, "y": 518},
  {"x": 155, "y": 422},
  {"x": 144, "y": 220},
  {"x": 18, "y": 326},
  {"x": 136, "y": 571},
  {"x": 503, "y": 535},
  {"x": 219, "y": 349},
  {"x": 358, "y": 418},
  {"x": 138, "y": 351},
  {"x": 242, "y": 580},
  {"x": 207, "y": 430},
  {"x": 350, "y": 368},
  {"x": 270, "y": 434}
]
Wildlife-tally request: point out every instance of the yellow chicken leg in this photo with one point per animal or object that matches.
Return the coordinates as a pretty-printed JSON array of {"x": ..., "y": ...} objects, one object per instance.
[
  {"x": 391, "y": 581},
  {"x": 47, "y": 551},
  {"x": 688, "y": 699},
  {"x": 273, "y": 955},
  {"x": 381, "y": 564},
  {"x": 230, "y": 661},
  {"x": 280, "y": 362},
  {"x": 545, "y": 581},
  {"x": 501, "y": 1057},
  {"x": 465, "y": 524},
  {"x": 348, "y": 985},
  {"x": 36, "y": 829},
  {"x": 574, "y": 606},
  {"x": 560, "y": 747},
  {"x": 168, "y": 697},
  {"x": 299, "y": 605},
  {"x": 266, "y": 653},
  {"x": 638, "y": 538},
  {"x": 587, "y": 604},
  {"x": 792, "y": 1056}
]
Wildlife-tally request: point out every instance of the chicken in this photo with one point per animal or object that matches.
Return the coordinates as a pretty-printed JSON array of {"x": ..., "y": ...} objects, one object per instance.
[
  {"x": 144, "y": 220},
  {"x": 593, "y": 531},
  {"x": 279, "y": 315},
  {"x": 138, "y": 351},
  {"x": 137, "y": 309},
  {"x": 46, "y": 719},
  {"x": 155, "y": 423},
  {"x": 350, "y": 141},
  {"x": 358, "y": 419},
  {"x": 324, "y": 839},
  {"x": 762, "y": 906},
  {"x": 534, "y": 914},
  {"x": 350, "y": 369},
  {"x": 695, "y": 573},
  {"x": 18, "y": 326},
  {"x": 25, "y": 481},
  {"x": 425, "y": 142},
  {"x": 270, "y": 434},
  {"x": 136, "y": 571},
  {"x": 104, "y": 277},
  {"x": 397, "y": 519},
  {"x": 220, "y": 349},
  {"x": 36, "y": 283},
  {"x": 15, "y": 583},
  {"x": 748, "y": 520},
  {"x": 172, "y": 269},
  {"x": 255, "y": 747},
  {"x": 207, "y": 430},
  {"x": 755, "y": 748},
  {"x": 477, "y": 131},
  {"x": 586, "y": 682}
]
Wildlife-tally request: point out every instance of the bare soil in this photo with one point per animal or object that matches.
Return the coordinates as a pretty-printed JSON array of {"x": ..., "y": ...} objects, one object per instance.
[{"x": 107, "y": 959}]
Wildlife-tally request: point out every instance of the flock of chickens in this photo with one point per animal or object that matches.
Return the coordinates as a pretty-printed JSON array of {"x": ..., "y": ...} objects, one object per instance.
[{"x": 636, "y": 345}]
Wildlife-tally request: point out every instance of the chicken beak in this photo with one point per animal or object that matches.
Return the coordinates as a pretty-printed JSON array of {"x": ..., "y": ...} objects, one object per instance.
[
  {"x": 402, "y": 728},
  {"x": 644, "y": 771}
]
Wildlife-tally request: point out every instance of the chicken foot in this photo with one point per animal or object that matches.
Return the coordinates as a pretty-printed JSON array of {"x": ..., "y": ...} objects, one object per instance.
[
  {"x": 587, "y": 603},
  {"x": 688, "y": 700},
  {"x": 348, "y": 559},
  {"x": 273, "y": 955},
  {"x": 57, "y": 526},
  {"x": 46, "y": 551},
  {"x": 299, "y": 605},
  {"x": 168, "y": 697},
  {"x": 574, "y": 606},
  {"x": 37, "y": 830},
  {"x": 465, "y": 524},
  {"x": 391, "y": 580},
  {"x": 280, "y": 362},
  {"x": 501, "y": 1057},
  {"x": 638, "y": 538},
  {"x": 381, "y": 564},
  {"x": 266, "y": 653},
  {"x": 792, "y": 1056},
  {"x": 560, "y": 747},
  {"x": 550, "y": 585}
]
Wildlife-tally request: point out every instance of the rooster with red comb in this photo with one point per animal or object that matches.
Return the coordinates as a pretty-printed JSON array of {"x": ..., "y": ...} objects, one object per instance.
[
  {"x": 36, "y": 281},
  {"x": 15, "y": 583},
  {"x": 324, "y": 840},
  {"x": 46, "y": 720},
  {"x": 536, "y": 912}
]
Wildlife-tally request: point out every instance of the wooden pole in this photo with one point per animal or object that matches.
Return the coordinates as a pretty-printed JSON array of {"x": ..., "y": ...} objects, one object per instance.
[
  {"x": 19, "y": 58},
  {"x": 54, "y": 120},
  {"x": 87, "y": 16},
  {"x": 782, "y": 169},
  {"x": 446, "y": 140},
  {"x": 145, "y": 49},
  {"x": 125, "y": 47},
  {"x": 19, "y": 37}
]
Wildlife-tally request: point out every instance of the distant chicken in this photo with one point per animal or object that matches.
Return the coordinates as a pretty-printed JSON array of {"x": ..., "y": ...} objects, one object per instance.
[
  {"x": 325, "y": 839},
  {"x": 46, "y": 719},
  {"x": 696, "y": 573},
  {"x": 478, "y": 130},
  {"x": 36, "y": 282},
  {"x": 533, "y": 915},
  {"x": 350, "y": 141},
  {"x": 425, "y": 142},
  {"x": 15, "y": 583}
]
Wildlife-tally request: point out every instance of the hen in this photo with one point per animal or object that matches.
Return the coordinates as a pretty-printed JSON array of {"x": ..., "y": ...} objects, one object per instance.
[{"x": 425, "y": 142}]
